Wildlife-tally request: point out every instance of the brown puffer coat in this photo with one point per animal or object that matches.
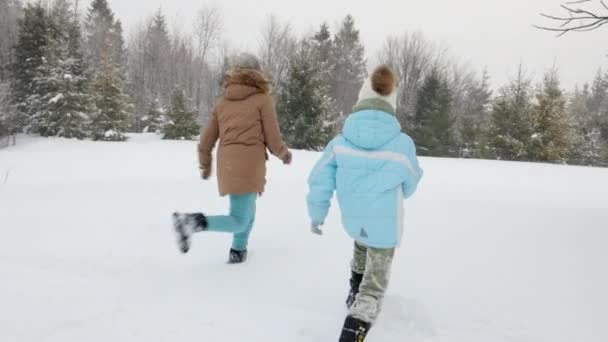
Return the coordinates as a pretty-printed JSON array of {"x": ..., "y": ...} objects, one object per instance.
[{"x": 245, "y": 122}]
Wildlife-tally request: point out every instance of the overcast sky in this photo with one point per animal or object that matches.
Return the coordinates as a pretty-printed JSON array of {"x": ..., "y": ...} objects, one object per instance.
[{"x": 494, "y": 34}]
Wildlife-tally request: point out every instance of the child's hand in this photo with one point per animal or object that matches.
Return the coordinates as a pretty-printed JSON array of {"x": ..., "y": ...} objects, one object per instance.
[
  {"x": 205, "y": 173},
  {"x": 314, "y": 228},
  {"x": 287, "y": 158}
]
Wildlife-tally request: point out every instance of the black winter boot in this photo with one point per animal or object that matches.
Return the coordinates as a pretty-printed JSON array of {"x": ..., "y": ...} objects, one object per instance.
[
  {"x": 355, "y": 282},
  {"x": 237, "y": 257},
  {"x": 354, "y": 330},
  {"x": 185, "y": 225}
]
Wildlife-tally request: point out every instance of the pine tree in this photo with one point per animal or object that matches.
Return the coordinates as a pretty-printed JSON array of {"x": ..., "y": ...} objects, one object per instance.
[
  {"x": 158, "y": 53},
  {"x": 432, "y": 123},
  {"x": 348, "y": 66},
  {"x": 599, "y": 93},
  {"x": 322, "y": 45},
  {"x": 11, "y": 12},
  {"x": 475, "y": 118},
  {"x": 119, "y": 46},
  {"x": 29, "y": 54},
  {"x": 154, "y": 119},
  {"x": 103, "y": 34},
  {"x": 602, "y": 126},
  {"x": 552, "y": 138},
  {"x": 110, "y": 118},
  {"x": 10, "y": 120},
  {"x": 599, "y": 106},
  {"x": 180, "y": 124},
  {"x": 306, "y": 112},
  {"x": 60, "y": 102},
  {"x": 586, "y": 138},
  {"x": 511, "y": 127}
]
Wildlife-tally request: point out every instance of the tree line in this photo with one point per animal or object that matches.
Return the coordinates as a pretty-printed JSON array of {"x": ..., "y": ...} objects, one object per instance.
[{"x": 71, "y": 75}]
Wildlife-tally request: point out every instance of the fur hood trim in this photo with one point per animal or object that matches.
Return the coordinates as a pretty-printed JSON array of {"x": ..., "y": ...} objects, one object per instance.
[{"x": 248, "y": 77}]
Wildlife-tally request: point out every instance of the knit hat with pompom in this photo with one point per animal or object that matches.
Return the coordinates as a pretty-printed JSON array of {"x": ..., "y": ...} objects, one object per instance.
[{"x": 380, "y": 86}]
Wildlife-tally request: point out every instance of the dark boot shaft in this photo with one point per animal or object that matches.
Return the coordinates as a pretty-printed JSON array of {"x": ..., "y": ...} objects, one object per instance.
[
  {"x": 199, "y": 222},
  {"x": 355, "y": 283},
  {"x": 355, "y": 280}
]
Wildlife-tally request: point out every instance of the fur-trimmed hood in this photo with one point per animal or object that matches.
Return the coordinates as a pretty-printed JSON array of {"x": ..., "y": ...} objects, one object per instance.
[{"x": 243, "y": 83}]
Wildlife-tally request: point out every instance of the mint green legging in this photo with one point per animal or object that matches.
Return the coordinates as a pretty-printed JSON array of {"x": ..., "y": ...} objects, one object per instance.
[{"x": 239, "y": 222}]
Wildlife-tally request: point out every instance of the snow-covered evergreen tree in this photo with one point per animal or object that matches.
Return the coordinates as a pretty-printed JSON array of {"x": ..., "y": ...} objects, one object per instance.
[
  {"x": 598, "y": 105},
  {"x": 10, "y": 119},
  {"x": 552, "y": 137},
  {"x": 110, "y": 118},
  {"x": 322, "y": 45},
  {"x": 475, "y": 118},
  {"x": 11, "y": 12},
  {"x": 181, "y": 124},
  {"x": 60, "y": 102},
  {"x": 599, "y": 93},
  {"x": 29, "y": 54},
  {"x": 154, "y": 119},
  {"x": 307, "y": 114},
  {"x": 103, "y": 35},
  {"x": 348, "y": 66},
  {"x": 512, "y": 126},
  {"x": 432, "y": 122},
  {"x": 586, "y": 138},
  {"x": 158, "y": 59}
]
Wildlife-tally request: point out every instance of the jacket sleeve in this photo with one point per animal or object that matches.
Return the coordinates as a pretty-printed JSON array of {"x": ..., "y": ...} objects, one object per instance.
[
  {"x": 272, "y": 134},
  {"x": 207, "y": 142},
  {"x": 322, "y": 184},
  {"x": 415, "y": 172}
]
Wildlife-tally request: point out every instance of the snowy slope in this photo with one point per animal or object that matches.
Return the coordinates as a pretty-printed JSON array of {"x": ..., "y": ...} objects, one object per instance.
[{"x": 493, "y": 251}]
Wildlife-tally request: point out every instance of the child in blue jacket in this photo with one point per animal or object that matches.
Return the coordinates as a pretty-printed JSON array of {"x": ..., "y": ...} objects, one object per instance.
[{"x": 373, "y": 167}]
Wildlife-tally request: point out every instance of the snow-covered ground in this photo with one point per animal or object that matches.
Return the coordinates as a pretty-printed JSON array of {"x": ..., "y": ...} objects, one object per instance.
[{"x": 493, "y": 251}]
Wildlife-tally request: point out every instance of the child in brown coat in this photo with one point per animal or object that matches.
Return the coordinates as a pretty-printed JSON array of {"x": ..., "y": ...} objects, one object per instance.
[{"x": 245, "y": 122}]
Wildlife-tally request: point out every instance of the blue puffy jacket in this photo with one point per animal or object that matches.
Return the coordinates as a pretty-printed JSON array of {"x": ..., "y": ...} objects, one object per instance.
[{"x": 373, "y": 167}]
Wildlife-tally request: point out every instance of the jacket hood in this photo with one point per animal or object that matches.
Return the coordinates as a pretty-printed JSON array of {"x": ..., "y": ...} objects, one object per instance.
[
  {"x": 243, "y": 83},
  {"x": 371, "y": 129}
]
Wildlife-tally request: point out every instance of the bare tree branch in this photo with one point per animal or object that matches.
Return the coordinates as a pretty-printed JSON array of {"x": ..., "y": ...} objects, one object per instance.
[
  {"x": 581, "y": 28},
  {"x": 579, "y": 19},
  {"x": 579, "y": 11},
  {"x": 602, "y": 23},
  {"x": 577, "y": 2},
  {"x": 566, "y": 19},
  {"x": 207, "y": 30},
  {"x": 277, "y": 44}
]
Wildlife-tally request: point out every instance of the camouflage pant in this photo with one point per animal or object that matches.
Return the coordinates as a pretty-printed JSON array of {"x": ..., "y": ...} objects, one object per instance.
[{"x": 375, "y": 265}]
